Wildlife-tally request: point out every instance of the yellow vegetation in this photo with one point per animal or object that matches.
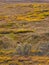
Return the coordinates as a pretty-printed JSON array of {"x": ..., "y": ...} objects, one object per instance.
[
  {"x": 22, "y": 30},
  {"x": 21, "y": 12},
  {"x": 35, "y": 12}
]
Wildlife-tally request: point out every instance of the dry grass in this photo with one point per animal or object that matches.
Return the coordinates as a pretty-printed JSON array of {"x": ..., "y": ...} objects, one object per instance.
[
  {"x": 25, "y": 18},
  {"x": 27, "y": 12}
]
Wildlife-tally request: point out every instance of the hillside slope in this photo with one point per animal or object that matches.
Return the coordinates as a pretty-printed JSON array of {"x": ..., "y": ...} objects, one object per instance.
[{"x": 24, "y": 34}]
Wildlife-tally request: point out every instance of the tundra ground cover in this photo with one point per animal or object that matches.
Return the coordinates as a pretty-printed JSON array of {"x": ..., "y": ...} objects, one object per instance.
[{"x": 20, "y": 24}]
